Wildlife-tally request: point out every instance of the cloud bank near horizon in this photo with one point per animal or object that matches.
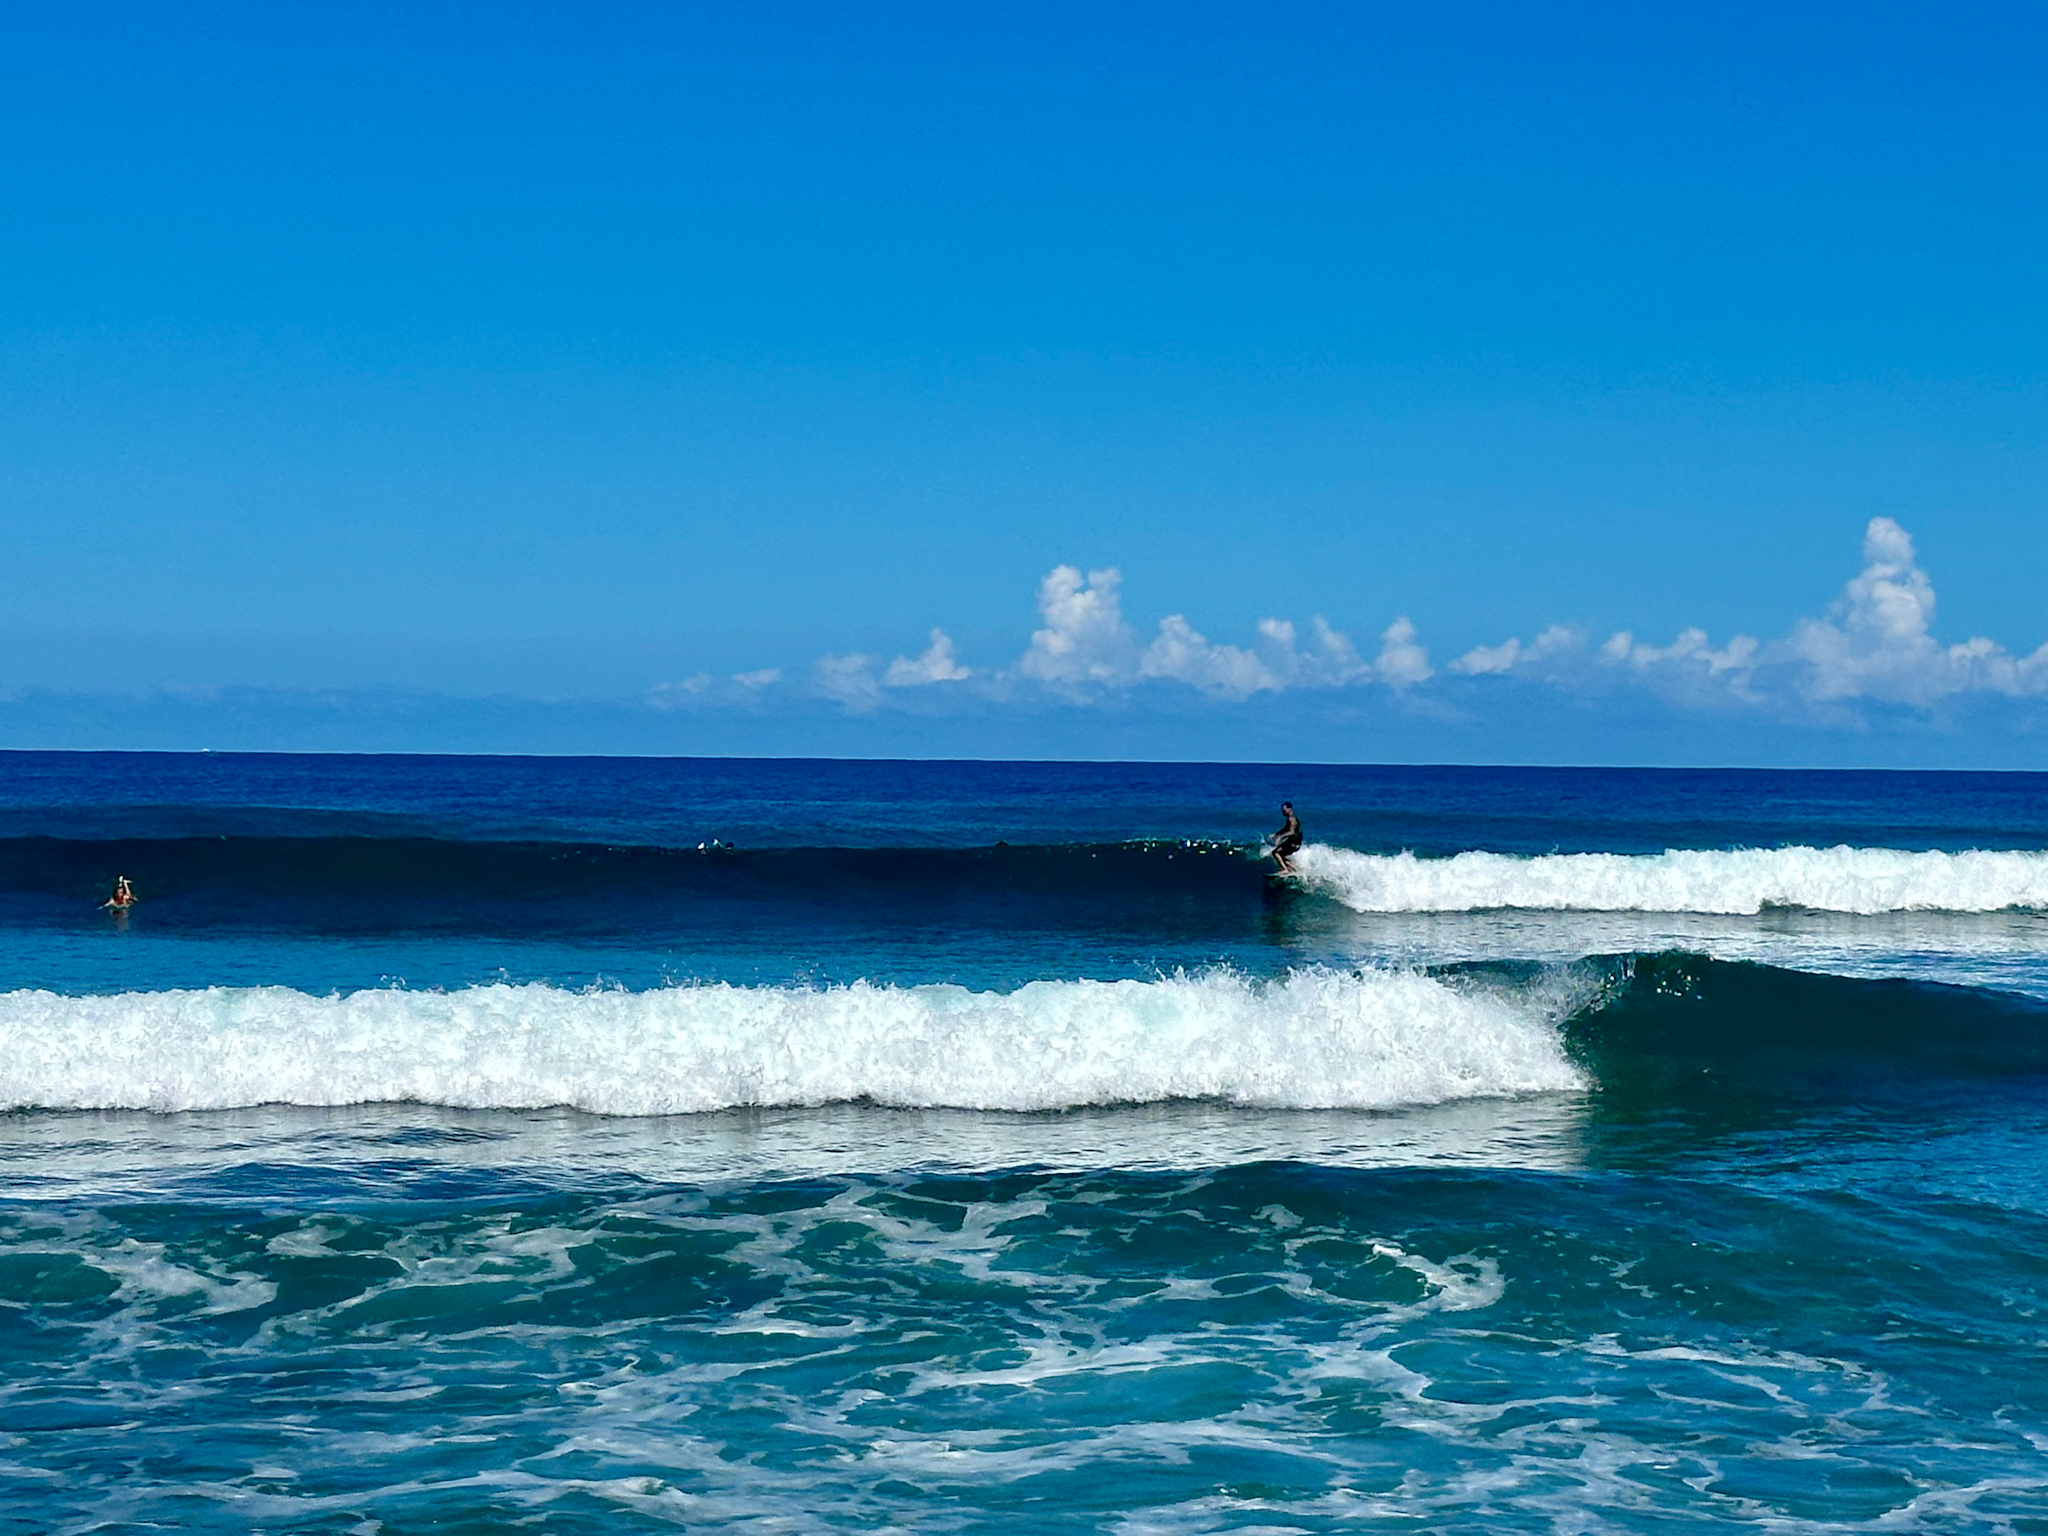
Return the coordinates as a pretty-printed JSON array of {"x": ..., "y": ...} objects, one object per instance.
[
  {"x": 1875, "y": 646},
  {"x": 1866, "y": 682}
]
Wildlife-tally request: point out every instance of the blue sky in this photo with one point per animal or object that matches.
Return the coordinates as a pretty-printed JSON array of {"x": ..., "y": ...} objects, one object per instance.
[{"x": 622, "y": 378}]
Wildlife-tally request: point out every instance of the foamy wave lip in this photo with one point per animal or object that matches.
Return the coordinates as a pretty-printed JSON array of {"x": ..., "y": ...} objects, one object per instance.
[
  {"x": 1746, "y": 880},
  {"x": 1312, "y": 1040}
]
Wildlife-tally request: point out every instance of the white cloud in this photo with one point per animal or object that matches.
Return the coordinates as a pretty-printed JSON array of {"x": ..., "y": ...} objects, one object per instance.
[
  {"x": 937, "y": 664},
  {"x": 1511, "y": 655},
  {"x": 702, "y": 689},
  {"x": 1690, "y": 650},
  {"x": 858, "y": 680},
  {"x": 1181, "y": 653},
  {"x": 1484, "y": 659},
  {"x": 1085, "y": 639},
  {"x": 1690, "y": 670},
  {"x": 1331, "y": 660},
  {"x": 1275, "y": 662},
  {"x": 1875, "y": 642},
  {"x": 2001, "y": 672},
  {"x": 850, "y": 679},
  {"x": 1402, "y": 663},
  {"x": 677, "y": 695}
]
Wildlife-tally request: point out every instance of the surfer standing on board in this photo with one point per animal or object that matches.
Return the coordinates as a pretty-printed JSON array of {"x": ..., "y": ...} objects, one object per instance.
[
  {"x": 1287, "y": 841},
  {"x": 123, "y": 897}
]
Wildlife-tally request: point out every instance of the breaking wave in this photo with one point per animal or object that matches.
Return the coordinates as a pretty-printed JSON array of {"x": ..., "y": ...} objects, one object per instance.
[
  {"x": 1748, "y": 880},
  {"x": 1310, "y": 1040}
]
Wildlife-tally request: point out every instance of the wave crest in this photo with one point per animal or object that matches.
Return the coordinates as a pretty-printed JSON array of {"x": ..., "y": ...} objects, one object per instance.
[
  {"x": 1739, "y": 881},
  {"x": 1311, "y": 1040}
]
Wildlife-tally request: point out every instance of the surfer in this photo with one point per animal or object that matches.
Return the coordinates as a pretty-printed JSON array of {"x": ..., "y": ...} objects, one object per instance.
[
  {"x": 123, "y": 897},
  {"x": 1287, "y": 841}
]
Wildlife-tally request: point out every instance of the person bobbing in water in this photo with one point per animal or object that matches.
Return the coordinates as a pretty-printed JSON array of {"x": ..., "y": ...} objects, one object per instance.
[
  {"x": 123, "y": 897},
  {"x": 1287, "y": 841}
]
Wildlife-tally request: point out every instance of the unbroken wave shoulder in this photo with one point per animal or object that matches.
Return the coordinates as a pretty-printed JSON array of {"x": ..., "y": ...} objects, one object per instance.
[{"x": 345, "y": 884}]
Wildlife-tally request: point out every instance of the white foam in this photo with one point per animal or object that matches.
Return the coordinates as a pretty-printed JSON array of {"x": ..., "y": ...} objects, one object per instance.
[
  {"x": 1743, "y": 880},
  {"x": 1312, "y": 1040}
]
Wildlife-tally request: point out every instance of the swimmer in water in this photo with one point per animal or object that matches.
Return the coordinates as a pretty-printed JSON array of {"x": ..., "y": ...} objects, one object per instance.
[
  {"x": 1287, "y": 841},
  {"x": 123, "y": 897}
]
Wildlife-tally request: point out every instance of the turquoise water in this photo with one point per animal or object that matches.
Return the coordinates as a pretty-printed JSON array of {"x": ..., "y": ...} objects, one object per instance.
[{"x": 882, "y": 1181}]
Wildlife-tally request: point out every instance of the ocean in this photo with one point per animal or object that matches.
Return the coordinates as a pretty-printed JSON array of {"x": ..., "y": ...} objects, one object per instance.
[{"x": 600, "y": 1145}]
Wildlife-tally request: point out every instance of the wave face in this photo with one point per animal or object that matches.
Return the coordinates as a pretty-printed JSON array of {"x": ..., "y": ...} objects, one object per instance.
[
  {"x": 1742, "y": 881},
  {"x": 413, "y": 884},
  {"x": 336, "y": 886},
  {"x": 1313, "y": 1040},
  {"x": 1684, "y": 1024}
]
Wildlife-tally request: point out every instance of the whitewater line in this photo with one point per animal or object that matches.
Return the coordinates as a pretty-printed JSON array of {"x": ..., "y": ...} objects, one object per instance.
[
  {"x": 1314, "y": 1039},
  {"x": 1737, "y": 881}
]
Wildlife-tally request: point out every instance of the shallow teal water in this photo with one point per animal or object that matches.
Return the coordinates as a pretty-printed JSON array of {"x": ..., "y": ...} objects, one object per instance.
[{"x": 1268, "y": 1346}]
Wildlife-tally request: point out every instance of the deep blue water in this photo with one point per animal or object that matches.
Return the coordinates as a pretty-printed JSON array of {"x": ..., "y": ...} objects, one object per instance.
[{"x": 596, "y": 1144}]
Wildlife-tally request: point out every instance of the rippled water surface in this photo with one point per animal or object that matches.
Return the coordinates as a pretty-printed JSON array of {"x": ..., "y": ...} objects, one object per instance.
[{"x": 458, "y": 1146}]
